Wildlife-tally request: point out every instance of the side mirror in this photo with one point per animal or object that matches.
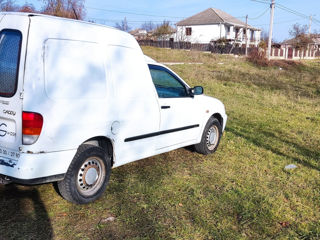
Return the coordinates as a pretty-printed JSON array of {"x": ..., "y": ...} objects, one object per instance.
[{"x": 197, "y": 90}]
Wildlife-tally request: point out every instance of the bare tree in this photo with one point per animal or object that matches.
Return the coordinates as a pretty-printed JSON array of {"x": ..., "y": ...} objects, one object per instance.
[
  {"x": 301, "y": 40},
  {"x": 28, "y": 8},
  {"x": 7, "y": 6},
  {"x": 298, "y": 30},
  {"x": 148, "y": 26},
  {"x": 123, "y": 25},
  {"x": 64, "y": 8},
  {"x": 164, "y": 30}
]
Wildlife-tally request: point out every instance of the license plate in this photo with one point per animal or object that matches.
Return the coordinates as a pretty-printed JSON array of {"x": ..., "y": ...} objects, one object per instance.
[
  {"x": 8, "y": 157},
  {"x": 9, "y": 154}
]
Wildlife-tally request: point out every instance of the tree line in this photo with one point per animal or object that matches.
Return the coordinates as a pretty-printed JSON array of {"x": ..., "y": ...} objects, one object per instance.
[
  {"x": 158, "y": 30},
  {"x": 74, "y": 9}
]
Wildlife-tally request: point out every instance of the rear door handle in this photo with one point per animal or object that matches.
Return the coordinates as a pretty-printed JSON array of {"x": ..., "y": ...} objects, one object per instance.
[{"x": 165, "y": 107}]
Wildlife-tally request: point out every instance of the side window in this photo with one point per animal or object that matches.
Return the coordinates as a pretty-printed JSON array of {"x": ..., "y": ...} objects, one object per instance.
[
  {"x": 166, "y": 84},
  {"x": 10, "y": 44}
]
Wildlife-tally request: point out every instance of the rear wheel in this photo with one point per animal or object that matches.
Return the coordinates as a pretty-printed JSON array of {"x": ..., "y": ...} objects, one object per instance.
[
  {"x": 210, "y": 137},
  {"x": 87, "y": 176}
]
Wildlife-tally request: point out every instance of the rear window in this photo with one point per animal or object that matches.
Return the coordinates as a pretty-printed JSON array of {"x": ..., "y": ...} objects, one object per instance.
[{"x": 10, "y": 43}]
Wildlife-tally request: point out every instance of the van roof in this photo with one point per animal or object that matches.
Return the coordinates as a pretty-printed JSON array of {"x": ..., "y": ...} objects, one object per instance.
[{"x": 55, "y": 18}]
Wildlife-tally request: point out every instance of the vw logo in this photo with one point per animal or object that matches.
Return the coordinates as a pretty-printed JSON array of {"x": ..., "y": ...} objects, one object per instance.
[{"x": 3, "y": 132}]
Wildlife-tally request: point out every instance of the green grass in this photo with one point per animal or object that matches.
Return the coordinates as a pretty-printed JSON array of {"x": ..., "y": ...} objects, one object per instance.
[{"x": 240, "y": 192}]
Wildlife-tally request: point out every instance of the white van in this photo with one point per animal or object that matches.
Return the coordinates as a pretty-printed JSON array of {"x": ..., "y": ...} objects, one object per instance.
[{"x": 77, "y": 99}]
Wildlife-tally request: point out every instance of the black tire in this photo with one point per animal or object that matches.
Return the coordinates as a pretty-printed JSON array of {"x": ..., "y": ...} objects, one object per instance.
[
  {"x": 210, "y": 137},
  {"x": 87, "y": 176}
]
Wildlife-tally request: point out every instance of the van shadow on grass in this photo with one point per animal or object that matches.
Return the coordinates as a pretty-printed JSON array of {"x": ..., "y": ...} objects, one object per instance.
[
  {"x": 263, "y": 142},
  {"x": 23, "y": 214},
  {"x": 135, "y": 198}
]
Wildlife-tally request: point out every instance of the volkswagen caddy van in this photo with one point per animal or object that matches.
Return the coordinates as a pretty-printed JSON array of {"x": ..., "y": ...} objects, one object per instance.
[{"x": 78, "y": 99}]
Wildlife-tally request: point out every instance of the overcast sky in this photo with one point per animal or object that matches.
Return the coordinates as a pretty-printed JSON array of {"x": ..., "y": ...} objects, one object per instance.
[{"x": 139, "y": 11}]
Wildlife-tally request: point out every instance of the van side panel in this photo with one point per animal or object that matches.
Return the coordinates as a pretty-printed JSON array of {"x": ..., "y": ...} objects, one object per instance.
[
  {"x": 74, "y": 70},
  {"x": 120, "y": 113},
  {"x": 68, "y": 119},
  {"x": 135, "y": 105}
]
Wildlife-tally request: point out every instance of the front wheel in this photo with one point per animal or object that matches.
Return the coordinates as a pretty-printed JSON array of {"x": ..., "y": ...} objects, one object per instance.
[
  {"x": 87, "y": 176},
  {"x": 210, "y": 137}
]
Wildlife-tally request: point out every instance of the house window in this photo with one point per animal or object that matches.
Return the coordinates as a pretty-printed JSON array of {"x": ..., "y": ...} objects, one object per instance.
[
  {"x": 188, "y": 31},
  {"x": 237, "y": 32},
  {"x": 229, "y": 29},
  {"x": 252, "y": 35}
]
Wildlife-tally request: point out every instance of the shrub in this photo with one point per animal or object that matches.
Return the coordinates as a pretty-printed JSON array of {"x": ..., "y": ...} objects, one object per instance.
[{"x": 258, "y": 57}]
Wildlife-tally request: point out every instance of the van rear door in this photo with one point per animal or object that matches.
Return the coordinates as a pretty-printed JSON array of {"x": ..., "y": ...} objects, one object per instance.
[{"x": 13, "y": 42}]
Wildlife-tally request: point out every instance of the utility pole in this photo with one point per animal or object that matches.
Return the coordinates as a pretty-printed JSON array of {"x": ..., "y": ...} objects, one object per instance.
[
  {"x": 247, "y": 35},
  {"x": 271, "y": 28},
  {"x": 310, "y": 22}
]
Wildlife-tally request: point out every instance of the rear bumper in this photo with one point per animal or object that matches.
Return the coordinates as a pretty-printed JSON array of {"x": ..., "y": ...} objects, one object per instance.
[
  {"x": 37, "y": 168},
  {"x": 33, "y": 181}
]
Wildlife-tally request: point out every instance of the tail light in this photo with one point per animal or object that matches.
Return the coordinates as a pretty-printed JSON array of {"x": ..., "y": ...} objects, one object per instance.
[{"x": 31, "y": 127}]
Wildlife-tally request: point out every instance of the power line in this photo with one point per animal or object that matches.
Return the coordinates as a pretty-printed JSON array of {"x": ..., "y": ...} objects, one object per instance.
[
  {"x": 294, "y": 12},
  {"x": 278, "y": 23},
  {"x": 152, "y": 20},
  {"x": 149, "y": 15},
  {"x": 133, "y": 13},
  {"x": 261, "y": 1},
  {"x": 302, "y": 15},
  {"x": 282, "y": 7},
  {"x": 259, "y": 16},
  {"x": 115, "y": 20}
]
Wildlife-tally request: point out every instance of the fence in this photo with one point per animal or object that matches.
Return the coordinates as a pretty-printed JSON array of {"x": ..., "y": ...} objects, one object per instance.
[
  {"x": 291, "y": 53},
  {"x": 276, "y": 53},
  {"x": 222, "y": 49}
]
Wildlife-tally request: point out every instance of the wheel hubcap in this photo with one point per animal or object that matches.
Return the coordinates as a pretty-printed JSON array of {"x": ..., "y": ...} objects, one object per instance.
[
  {"x": 90, "y": 176},
  {"x": 212, "y": 137}
]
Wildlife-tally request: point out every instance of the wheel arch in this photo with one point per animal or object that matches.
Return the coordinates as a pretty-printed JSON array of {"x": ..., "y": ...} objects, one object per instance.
[
  {"x": 216, "y": 115},
  {"x": 219, "y": 118},
  {"x": 103, "y": 142}
]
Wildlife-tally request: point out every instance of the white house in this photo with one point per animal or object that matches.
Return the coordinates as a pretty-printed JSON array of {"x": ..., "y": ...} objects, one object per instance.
[
  {"x": 213, "y": 24},
  {"x": 139, "y": 33}
]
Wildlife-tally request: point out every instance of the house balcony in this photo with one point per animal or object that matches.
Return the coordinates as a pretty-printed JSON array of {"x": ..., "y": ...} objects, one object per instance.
[
  {"x": 239, "y": 39},
  {"x": 230, "y": 36}
]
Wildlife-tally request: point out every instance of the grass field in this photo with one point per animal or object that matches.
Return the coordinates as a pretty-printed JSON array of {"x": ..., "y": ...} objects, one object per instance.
[{"x": 240, "y": 192}]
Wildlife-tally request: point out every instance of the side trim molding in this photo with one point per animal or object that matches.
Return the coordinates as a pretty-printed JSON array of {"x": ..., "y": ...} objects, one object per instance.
[{"x": 149, "y": 135}]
